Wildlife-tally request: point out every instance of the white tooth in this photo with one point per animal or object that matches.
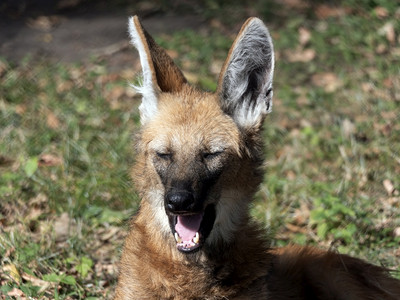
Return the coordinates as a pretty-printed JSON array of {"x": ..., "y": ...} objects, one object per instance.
[
  {"x": 196, "y": 238},
  {"x": 177, "y": 238}
]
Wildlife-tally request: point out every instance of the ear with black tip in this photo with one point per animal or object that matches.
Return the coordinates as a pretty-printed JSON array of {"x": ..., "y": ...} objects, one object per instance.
[
  {"x": 160, "y": 74},
  {"x": 245, "y": 82}
]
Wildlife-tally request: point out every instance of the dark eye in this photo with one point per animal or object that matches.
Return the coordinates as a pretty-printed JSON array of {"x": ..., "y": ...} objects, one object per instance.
[
  {"x": 211, "y": 155},
  {"x": 164, "y": 155}
]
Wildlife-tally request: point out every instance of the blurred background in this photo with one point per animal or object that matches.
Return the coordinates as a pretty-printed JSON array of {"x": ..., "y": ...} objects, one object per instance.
[{"x": 68, "y": 118}]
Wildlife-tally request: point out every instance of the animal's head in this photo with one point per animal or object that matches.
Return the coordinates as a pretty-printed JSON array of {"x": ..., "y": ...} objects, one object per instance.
[{"x": 199, "y": 153}]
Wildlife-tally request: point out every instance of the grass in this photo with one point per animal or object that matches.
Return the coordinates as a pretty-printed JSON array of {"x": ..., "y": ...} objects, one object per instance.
[{"x": 332, "y": 147}]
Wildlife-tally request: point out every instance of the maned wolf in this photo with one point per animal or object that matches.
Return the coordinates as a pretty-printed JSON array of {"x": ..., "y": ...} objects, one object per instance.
[{"x": 199, "y": 158}]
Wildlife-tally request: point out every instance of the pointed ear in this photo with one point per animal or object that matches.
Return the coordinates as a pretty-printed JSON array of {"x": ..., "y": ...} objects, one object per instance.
[
  {"x": 245, "y": 82},
  {"x": 160, "y": 74}
]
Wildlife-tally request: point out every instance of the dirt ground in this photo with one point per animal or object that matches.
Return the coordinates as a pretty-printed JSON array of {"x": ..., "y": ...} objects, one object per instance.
[{"x": 44, "y": 29}]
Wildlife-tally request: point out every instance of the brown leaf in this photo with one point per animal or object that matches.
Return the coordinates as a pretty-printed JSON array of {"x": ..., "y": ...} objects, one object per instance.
[
  {"x": 191, "y": 77},
  {"x": 388, "y": 185},
  {"x": 304, "y": 36},
  {"x": 329, "y": 81},
  {"x": 17, "y": 293},
  {"x": 109, "y": 233},
  {"x": 61, "y": 227},
  {"x": 301, "y": 215},
  {"x": 302, "y": 100},
  {"x": 348, "y": 128},
  {"x": 367, "y": 87},
  {"x": 105, "y": 268},
  {"x": 49, "y": 160},
  {"x": 13, "y": 272},
  {"x": 296, "y": 4},
  {"x": 324, "y": 11},
  {"x": 35, "y": 281},
  {"x": 381, "y": 48},
  {"x": 34, "y": 214},
  {"x": 396, "y": 232},
  {"x": 216, "y": 66},
  {"x": 3, "y": 67},
  {"x": 64, "y": 85},
  {"x": 9, "y": 252},
  {"x": 291, "y": 175},
  {"x": 115, "y": 93},
  {"x": 381, "y": 12},
  {"x": 295, "y": 228},
  {"x": 300, "y": 55},
  {"x": 20, "y": 109},
  {"x": 173, "y": 53},
  {"x": 388, "y": 31},
  {"x": 44, "y": 23},
  {"x": 52, "y": 120},
  {"x": 388, "y": 82}
]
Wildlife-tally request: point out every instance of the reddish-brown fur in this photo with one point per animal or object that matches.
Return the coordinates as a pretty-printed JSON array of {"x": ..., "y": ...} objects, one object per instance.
[{"x": 240, "y": 265}]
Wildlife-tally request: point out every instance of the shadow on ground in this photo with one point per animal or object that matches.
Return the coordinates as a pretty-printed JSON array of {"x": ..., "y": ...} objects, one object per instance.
[{"x": 79, "y": 31}]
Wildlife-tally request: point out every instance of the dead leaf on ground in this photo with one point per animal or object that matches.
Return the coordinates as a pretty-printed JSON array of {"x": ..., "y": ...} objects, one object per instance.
[
  {"x": 172, "y": 53},
  {"x": 17, "y": 293},
  {"x": 44, "y": 22},
  {"x": 388, "y": 185},
  {"x": 109, "y": 233},
  {"x": 300, "y": 55},
  {"x": 35, "y": 281},
  {"x": 34, "y": 214},
  {"x": 191, "y": 77},
  {"x": 114, "y": 96},
  {"x": 49, "y": 160},
  {"x": 302, "y": 215},
  {"x": 295, "y": 228},
  {"x": 105, "y": 268},
  {"x": 297, "y": 4},
  {"x": 304, "y": 36},
  {"x": 381, "y": 49},
  {"x": 385, "y": 129},
  {"x": 12, "y": 270},
  {"x": 324, "y": 11},
  {"x": 348, "y": 128},
  {"x": 290, "y": 175},
  {"x": 52, "y": 120},
  {"x": 64, "y": 85},
  {"x": 367, "y": 87},
  {"x": 302, "y": 100},
  {"x": 329, "y": 81},
  {"x": 388, "y": 31},
  {"x": 115, "y": 93},
  {"x": 216, "y": 67},
  {"x": 3, "y": 67},
  {"x": 381, "y": 12},
  {"x": 9, "y": 252},
  {"x": 20, "y": 109},
  {"x": 61, "y": 227}
]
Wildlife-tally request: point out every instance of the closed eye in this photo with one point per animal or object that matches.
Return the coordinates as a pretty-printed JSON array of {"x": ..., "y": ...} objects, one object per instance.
[
  {"x": 211, "y": 155},
  {"x": 164, "y": 155}
]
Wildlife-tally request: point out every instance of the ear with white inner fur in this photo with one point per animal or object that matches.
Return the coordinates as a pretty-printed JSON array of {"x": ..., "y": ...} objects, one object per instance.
[
  {"x": 245, "y": 82},
  {"x": 160, "y": 74}
]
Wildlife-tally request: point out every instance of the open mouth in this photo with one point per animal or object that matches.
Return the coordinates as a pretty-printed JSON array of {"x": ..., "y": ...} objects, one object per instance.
[{"x": 191, "y": 230}]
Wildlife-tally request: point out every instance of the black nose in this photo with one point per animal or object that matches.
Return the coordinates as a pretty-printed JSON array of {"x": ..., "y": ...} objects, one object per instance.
[{"x": 180, "y": 201}]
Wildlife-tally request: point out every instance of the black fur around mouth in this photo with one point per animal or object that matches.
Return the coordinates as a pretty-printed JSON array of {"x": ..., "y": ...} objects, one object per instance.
[{"x": 191, "y": 230}]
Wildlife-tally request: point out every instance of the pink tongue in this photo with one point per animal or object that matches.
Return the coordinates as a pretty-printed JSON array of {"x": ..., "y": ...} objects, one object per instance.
[{"x": 187, "y": 226}]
